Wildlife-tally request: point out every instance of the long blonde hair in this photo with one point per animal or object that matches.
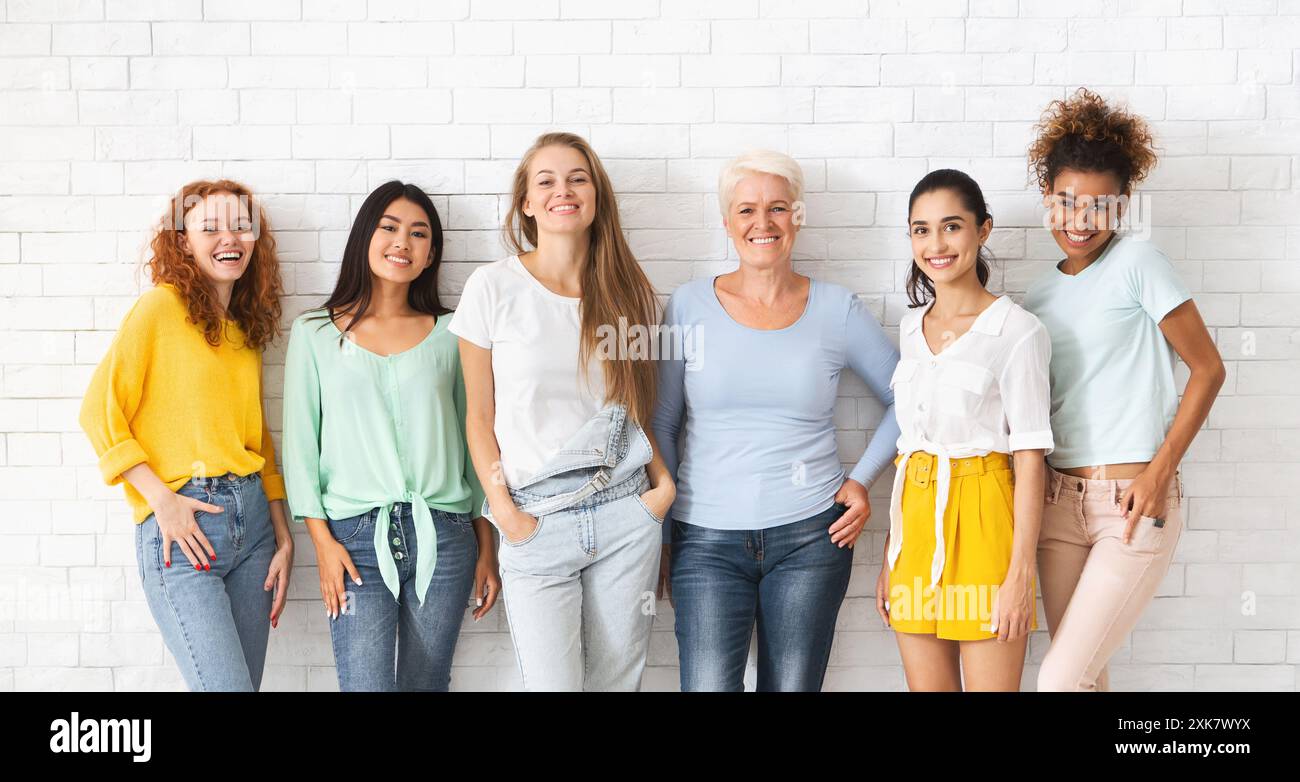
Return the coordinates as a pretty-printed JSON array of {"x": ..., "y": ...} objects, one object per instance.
[{"x": 613, "y": 284}]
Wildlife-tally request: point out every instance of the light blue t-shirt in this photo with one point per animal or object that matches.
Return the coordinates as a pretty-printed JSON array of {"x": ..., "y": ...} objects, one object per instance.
[
  {"x": 1112, "y": 371},
  {"x": 754, "y": 408}
]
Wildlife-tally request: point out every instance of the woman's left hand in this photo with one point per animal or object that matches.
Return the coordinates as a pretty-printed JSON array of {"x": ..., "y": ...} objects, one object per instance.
[
  {"x": 1013, "y": 606},
  {"x": 487, "y": 575},
  {"x": 277, "y": 576},
  {"x": 660, "y": 499},
  {"x": 1147, "y": 496},
  {"x": 847, "y": 528}
]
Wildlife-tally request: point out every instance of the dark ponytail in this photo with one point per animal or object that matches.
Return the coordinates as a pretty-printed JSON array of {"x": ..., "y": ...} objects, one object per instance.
[{"x": 920, "y": 290}]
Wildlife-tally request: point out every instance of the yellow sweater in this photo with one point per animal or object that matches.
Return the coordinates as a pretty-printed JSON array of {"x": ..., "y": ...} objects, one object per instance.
[{"x": 165, "y": 397}]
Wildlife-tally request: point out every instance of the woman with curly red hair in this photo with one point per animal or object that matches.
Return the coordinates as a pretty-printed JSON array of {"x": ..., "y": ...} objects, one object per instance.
[
  {"x": 1117, "y": 314},
  {"x": 174, "y": 411}
]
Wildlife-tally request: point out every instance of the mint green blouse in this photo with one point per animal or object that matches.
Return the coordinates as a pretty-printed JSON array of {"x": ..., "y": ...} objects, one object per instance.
[{"x": 365, "y": 431}]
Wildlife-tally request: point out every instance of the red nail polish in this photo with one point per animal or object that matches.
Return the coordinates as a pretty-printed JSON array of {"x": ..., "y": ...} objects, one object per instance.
[
  {"x": 169, "y": 564},
  {"x": 198, "y": 567},
  {"x": 206, "y": 566},
  {"x": 213, "y": 557}
]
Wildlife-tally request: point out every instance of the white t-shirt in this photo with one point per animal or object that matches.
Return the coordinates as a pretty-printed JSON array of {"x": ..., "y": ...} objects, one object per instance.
[{"x": 541, "y": 397}]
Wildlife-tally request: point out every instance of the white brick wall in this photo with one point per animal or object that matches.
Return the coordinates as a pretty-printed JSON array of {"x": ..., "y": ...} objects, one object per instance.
[{"x": 106, "y": 104}]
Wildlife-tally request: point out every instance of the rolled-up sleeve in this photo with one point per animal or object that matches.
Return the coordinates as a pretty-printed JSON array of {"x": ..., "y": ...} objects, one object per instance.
[
  {"x": 114, "y": 395},
  {"x": 1026, "y": 392}
]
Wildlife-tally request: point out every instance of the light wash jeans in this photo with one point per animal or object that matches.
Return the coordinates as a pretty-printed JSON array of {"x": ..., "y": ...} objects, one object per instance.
[
  {"x": 215, "y": 622},
  {"x": 383, "y": 644},
  {"x": 579, "y": 591}
]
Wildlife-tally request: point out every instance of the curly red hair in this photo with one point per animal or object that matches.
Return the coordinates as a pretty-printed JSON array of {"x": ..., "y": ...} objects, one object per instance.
[
  {"x": 1083, "y": 133},
  {"x": 255, "y": 301}
]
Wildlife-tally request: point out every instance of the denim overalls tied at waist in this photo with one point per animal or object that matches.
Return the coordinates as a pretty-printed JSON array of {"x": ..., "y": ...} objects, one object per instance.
[{"x": 601, "y": 462}]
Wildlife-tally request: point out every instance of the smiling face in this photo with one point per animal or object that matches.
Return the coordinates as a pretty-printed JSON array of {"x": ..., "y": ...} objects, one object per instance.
[
  {"x": 945, "y": 237},
  {"x": 1083, "y": 209},
  {"x": 760, "y": 220},
  {"x": 561, "y": 195},
  {"x": 219, "y": 237},
  {"x": 402, "y": 245}
]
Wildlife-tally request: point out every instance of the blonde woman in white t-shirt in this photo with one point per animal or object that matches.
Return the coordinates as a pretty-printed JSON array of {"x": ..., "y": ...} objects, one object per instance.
[{"x": 557, "y": 420}]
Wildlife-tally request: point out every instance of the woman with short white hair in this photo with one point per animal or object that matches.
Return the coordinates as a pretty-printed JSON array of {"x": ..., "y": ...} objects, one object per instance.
[{"x": 765, "y": 519}]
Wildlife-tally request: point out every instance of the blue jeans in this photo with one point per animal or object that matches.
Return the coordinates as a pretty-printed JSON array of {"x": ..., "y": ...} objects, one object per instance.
[
  {"x": 215, "y": 622},
  {"x": 382, "y": 644},
  {"x": 789, "y": 579}
]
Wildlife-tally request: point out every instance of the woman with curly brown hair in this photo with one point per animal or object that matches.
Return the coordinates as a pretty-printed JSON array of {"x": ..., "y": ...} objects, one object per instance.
[
  {"x": 174, "y": 411},
  {"x": 1117, "y": 314}
]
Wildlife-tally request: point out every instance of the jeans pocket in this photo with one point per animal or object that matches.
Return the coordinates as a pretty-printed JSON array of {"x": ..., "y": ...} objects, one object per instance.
[
  {"x": 346, "y": 529},
  {"x": 517, "y": 543},
  {"x": 647, "y": 510}
]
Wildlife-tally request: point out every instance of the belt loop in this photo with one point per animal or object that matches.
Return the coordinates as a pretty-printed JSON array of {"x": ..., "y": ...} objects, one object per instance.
[
  {"x": 1055, "y": 478},
  {"x": 982, "y": 461}
]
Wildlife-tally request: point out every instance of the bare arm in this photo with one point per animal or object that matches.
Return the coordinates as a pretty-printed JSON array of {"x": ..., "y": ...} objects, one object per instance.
[
  {"x": 1015, "y": 601},
  {"x": 480, "y": 436},
  {"x": 1191, "y": 340}
]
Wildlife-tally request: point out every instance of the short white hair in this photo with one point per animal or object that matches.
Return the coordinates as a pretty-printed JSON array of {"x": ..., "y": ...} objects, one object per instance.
[{"x": 759, "y": 161}]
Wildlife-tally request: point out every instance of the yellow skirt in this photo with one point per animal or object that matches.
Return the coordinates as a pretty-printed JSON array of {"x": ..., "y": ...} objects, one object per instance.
[{"x": 977, "y": 531}]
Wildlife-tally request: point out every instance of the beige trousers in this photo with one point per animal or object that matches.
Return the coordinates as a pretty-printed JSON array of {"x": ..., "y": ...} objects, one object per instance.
[{"x": 1095, "y": 586}]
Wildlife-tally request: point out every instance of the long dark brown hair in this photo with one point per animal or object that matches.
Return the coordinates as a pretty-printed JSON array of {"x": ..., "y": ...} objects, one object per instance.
[
  {"x": 354, "y": 288},
  {"x": 920, "y": 289}
]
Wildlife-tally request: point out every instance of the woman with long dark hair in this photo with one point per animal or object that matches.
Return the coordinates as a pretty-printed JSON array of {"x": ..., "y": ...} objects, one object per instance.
[
  {"x": 971, "y": 394},
  {"x": 375, "y": 457}
]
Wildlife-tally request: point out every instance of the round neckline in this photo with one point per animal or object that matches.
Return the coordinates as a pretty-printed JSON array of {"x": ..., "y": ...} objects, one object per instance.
[
  {"x": 518, "y": 264},
  {"x": 1110, "y": 245},
  {"x": 437, "y": 323},
  {"x": 920, "y": 327},
  {"x": 807, "y": 307}
]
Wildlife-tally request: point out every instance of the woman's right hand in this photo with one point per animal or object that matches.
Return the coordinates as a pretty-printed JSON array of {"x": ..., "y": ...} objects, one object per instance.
[
  {"x": 882, "y": 593},
  {"x": 516, "y": 525},
  {"x": 332, "y": 561},
  {"x": 175, "y": 516}
]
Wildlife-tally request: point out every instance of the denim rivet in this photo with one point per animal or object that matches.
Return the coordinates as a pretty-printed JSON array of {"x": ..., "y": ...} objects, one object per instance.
[{"x": 397, "y": 541}]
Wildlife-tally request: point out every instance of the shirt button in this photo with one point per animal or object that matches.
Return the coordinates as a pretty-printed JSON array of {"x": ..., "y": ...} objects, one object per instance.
[
  {"x": 398, "y": 555},
  {"x": 397, "y": 541},
  {"x": 920, "y": 407},
  {"x": 934, "y": 362}
]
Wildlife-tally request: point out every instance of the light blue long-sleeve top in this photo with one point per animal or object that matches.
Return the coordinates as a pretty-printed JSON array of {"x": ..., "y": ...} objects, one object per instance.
[{"x": 752, "y": 410}]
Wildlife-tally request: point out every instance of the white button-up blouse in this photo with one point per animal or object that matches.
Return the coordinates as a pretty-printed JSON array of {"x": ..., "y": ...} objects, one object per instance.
[{"x": 986, "y": 392}]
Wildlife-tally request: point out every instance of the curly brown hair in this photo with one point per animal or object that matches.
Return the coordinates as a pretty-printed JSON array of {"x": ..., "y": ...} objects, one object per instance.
[
  {"x": 1083, "y": 133},
  {"x": 255, "y": 301}
]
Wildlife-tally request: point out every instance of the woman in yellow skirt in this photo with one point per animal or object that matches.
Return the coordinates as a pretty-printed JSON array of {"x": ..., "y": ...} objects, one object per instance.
[{"x": 973, "y": 401}]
